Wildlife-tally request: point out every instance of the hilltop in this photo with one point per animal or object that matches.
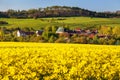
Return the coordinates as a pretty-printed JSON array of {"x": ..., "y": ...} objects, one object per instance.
[{"x": 56, "y": 11}]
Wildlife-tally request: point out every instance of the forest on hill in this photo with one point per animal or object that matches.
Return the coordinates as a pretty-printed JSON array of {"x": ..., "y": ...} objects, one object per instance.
[{"x": 56, "y": 11}]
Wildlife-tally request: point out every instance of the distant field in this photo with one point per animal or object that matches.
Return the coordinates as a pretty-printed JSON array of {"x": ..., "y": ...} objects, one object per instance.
[{"x": 69, "y": 21}]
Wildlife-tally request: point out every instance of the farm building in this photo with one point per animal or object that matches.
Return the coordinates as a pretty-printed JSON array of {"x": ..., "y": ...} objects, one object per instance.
[
  {"x": 60, "y": 30},
  {"x": 23, "y": 33},
  {"x": 39, "y": 32}
]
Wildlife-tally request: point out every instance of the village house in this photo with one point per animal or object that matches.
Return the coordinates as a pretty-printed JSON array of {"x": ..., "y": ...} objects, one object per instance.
[
  {"x": 24, "y": 33},
  {"x": 39, "y": 32},
  {"x": 60, "y": 30},
  {"x": 103, "y": 36},
  {"x": 78, "y": 31},
  {"x": 66, "y": 32}
]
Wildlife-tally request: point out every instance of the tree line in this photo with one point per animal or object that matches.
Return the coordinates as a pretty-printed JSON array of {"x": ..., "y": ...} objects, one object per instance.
[{"x": 56, "y": 11}]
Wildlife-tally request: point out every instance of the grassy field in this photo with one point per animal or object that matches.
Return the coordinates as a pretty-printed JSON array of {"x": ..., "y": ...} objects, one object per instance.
[
  {"x": 44, "y": 61},
  {"x": 69, "y": 21}
]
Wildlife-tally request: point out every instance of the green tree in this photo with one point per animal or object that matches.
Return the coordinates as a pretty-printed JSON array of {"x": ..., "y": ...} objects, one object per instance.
[
  {"x": 103, "y": 41},
  {"x": 36, "y": 39},
  {"x": 105, "y": 30},
  {"x": 51, "y": 40},
  {"x": 2, "y": 33},
  {"x": 48, "y": 28},
  {"x": 95, "y": 40},
  {"x": 116, "y": 31},
  {"x": 45, "y": 35},
  {"x": 117, "y": 42},
  {"x": 60, "y": 40},
  {"x": 20, "y": 39},
  {"x": 53, "y": 29},
  {"x": 111, "y": 41}
]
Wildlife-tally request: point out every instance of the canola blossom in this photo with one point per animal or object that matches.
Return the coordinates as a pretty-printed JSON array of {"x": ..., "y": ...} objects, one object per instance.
[{"x": 45, "y": 61}]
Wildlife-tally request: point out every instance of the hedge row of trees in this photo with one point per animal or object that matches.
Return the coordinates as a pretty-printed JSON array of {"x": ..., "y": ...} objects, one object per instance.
[
  {"x": 56, "y": 11},
  {"x": 50, "y": 36},
  {"x": 3, "y": 22}
]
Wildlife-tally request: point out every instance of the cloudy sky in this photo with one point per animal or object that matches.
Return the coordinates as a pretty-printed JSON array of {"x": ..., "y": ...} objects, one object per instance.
[{"x": 95, "y": 5}]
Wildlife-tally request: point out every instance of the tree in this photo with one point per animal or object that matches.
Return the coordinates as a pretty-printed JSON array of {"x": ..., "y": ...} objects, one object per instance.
[
  {"x": 103, "y": 41},
  {"x": 60, "y": 40},
  {"x": 81, "y": 39},
  {"x": 45, "y": 35},
  {"x": 117, "y": 42},
  {"x": 20, "y": 39},
  {"x": 35, "y": 38},
  {"x": 116, "y": 31},
  {"x": 51, "y": 40},
  {"x": 3, "y": 22},
  {"x": 53, "y": 29},
  {"x": 111, "y": 41},
  {"x": 105, "y": 30},
  {"x": 47, "y": 29},
  {"x": 2, "y": 33},
  {"x": 95, "y": 40}
]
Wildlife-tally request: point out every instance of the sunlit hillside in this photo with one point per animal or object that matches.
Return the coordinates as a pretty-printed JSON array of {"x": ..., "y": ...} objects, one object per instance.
[{"x": 63, "y": 21}]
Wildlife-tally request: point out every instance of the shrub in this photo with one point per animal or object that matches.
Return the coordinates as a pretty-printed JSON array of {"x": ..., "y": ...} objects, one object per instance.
[{"x": 3, "y": 22}]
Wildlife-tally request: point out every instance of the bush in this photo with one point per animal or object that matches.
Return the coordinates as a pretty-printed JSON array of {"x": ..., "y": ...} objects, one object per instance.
[{"x": 3, "y": 22}]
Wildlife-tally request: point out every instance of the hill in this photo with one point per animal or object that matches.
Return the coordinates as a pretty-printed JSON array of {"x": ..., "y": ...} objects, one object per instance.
[
  {"x": 56, "y": 11},
  {"x": 72, "y": 22}
]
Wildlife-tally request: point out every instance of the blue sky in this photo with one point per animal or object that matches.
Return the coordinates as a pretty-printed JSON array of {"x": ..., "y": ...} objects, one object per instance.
[{"x": 95, "y": 5}]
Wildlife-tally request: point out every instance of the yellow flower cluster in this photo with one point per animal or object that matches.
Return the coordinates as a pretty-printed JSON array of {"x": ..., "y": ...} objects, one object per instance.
[{"x": 44, "y": 61}]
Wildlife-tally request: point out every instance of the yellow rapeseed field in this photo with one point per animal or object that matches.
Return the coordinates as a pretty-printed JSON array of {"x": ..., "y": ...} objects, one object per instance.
[{"x": 44, "y": 61}]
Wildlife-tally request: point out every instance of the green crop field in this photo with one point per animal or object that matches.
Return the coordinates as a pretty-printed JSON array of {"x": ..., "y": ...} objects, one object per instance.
[{"x": 63, "y": 21}]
